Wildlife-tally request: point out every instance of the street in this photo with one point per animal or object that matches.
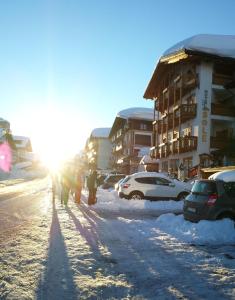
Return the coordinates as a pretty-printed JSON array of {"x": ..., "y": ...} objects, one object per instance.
[{"x": 52, "y": 252}]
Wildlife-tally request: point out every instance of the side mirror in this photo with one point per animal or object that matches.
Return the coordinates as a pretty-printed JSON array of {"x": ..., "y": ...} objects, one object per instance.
[{"x": 171, "y": 184}]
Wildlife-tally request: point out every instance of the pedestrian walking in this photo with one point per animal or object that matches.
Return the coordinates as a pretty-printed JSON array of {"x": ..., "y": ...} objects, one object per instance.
[
  {"x": 78, "y": 186},
  {"x": 92, "y": 187},
  {"x": 66, "y": 184}
]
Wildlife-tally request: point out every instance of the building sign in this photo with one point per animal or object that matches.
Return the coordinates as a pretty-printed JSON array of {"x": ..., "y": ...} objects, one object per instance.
[{"x": 205, "y": 115}]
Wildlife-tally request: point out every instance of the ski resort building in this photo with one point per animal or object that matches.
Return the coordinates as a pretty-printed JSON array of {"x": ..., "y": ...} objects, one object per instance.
[
  {"x": 99, "y": 149},
  {"x": 193, "y": 89},
  {"x": 131, "y": 137}
]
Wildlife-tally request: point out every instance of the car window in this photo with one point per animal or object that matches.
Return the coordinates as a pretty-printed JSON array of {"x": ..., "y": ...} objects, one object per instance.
[
  {"x": 126, "y": 179},
  {"x": 230, "y": 188},
  {"x": 204, "y": 187},
  {"x": 161, "y": 181},
  {"x": 146, "y": 180}
]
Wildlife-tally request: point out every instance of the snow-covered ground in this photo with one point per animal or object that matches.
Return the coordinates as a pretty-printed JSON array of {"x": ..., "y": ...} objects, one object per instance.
[{"x": 116, "y": 249}]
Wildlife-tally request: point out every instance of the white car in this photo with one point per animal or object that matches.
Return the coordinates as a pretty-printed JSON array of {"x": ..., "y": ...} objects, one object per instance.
[{"x": 153, "y": 186}]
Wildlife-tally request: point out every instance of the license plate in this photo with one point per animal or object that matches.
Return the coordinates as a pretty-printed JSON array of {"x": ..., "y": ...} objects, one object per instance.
[{"x": 191, "y": 209}]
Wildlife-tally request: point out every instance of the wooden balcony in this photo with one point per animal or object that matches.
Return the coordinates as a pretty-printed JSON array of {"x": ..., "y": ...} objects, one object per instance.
[
  {"x": 222, "y": 110},
  {"x": 184, "y": 144},
  {"x": 165, "y": 150},
  {"x": 185, "y": 112}
]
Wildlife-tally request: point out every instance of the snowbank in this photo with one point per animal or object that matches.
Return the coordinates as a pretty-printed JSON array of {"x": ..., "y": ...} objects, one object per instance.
[
  {"x": 108, "y": 200},
  {"x": 201, "y": 233}
]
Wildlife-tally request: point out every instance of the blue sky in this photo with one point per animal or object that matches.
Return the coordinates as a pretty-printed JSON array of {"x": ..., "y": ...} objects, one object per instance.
[{"x": 75, "y": 64}]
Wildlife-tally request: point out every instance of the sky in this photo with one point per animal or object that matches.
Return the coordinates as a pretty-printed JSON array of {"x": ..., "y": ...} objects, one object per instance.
[{"x": 69, "y": 66}]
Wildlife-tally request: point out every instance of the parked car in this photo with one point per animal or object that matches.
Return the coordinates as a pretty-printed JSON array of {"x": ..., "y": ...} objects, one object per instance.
[
  {"x": 111, "y": 179},
  {"x": 116, "y": 186},
  {"x": 153, "y": 186},
  {"x": 211, "y": 199}
]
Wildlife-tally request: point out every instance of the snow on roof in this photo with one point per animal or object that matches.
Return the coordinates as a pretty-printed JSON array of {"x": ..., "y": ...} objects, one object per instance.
[
  {"x": 220, "y": 45},
  {"x": 227, "y": 176},
  {"x": 100, "y": 132},
  {"x": 142, "y": 113}
]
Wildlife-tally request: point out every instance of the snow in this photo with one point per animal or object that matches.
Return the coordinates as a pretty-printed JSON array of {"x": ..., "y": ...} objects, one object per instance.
[
  {"x": 220, "y": 45},
  {"x": 201, "y": 233},
  {"x": 100, "y": 132},
  {"x": 108, "y": 200},
  {"x": 227, "y": 176},
  {"x": 115, "y": 249},
  {"x": 142, "y": 113}
]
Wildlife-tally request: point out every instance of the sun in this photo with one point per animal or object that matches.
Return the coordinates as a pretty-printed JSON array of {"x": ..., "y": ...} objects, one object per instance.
[{"x": 55, "y": 139}]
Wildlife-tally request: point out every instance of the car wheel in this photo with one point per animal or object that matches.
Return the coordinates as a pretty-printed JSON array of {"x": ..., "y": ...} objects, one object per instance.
[
  {"x": 182, "y": 196},
  {"x": 136, "y": 196}
]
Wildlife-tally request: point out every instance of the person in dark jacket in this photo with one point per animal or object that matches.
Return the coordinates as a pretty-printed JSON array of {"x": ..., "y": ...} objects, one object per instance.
[
  {"x": 78, "y": 186},
  {"x": 92, "y": 187}
]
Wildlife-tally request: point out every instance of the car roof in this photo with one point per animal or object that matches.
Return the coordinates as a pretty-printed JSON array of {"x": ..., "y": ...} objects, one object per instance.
[
  {"x": 149, "y": 174},
  {"x": 226, "y": 176}
]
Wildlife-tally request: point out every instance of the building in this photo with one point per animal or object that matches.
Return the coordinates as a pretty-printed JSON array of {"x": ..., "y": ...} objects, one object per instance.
[
  {"x": 4, "y": 127},
  {"x": 131, "y": 137},
  {"x": 99, "y": 149},
  {"x": 193, "y": 89}
]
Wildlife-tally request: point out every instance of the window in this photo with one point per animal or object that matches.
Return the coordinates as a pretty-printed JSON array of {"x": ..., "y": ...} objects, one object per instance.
[
  {"x": 141, "y": 139},
  {"x": 204, "y": 187},
  {"x": 161, "y": 181},
  {"x": 143, "y": 126},
  {"x": 146, "y": 180}
]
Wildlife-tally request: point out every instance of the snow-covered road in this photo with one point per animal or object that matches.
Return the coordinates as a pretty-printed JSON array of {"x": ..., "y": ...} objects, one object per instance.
[{"x": 83, "y": 252}]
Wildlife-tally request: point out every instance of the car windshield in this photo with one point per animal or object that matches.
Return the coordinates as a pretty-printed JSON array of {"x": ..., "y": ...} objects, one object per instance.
[{"x": 204, "y": 187}]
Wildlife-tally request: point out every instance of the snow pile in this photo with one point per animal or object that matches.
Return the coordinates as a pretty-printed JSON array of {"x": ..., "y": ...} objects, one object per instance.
[
  {"x": 201, "y": 233},
  {"x": 24, "y": 171},
  {"x": 220, "y": 45},
  {"x": 108, "y": 200},
  {"x": 142, "y": 113}
]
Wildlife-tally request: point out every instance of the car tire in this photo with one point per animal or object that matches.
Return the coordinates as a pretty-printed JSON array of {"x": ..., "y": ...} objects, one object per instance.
[
  {"x": 136, "y": 195},
  {"x": 182, "y": 196}
]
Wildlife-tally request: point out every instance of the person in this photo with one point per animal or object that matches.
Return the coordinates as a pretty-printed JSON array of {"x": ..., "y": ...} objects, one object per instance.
[
  {"x": 92, "y": 187},
  {"x": 66, "y": 184},
  {"x": 78, "y": 187}
]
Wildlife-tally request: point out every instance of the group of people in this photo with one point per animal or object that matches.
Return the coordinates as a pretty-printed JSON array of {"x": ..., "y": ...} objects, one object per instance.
[{"x": 71, "y": 180}]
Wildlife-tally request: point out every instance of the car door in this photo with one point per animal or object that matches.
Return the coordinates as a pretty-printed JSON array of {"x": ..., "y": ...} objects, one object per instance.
[{"x": 163, "y": 188}]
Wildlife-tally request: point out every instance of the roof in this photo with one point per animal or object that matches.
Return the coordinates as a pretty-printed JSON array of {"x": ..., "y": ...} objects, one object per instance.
[
  {"x": 100, "y": 132},
  {"x": 219, "y": 45},
  {"x": 202, "y": 45},
  {"x": 136, "y": 113}
]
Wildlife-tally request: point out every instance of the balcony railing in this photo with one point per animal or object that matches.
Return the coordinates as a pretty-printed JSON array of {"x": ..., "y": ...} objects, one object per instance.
[
  {"x": 184, "y": 144},
  {"x": 185, "y": 112},
  {"x": 154, "y": 152},
  {"x": 222, "y": 110}
]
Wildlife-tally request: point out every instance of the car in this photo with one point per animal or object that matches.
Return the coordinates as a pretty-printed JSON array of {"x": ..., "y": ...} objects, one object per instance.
[
  {"x": 116, "y": 186},
  {"x": 111, "y": 179},
  {"x": 153, "y": 186},
  {"x": 212, "y": 198}
]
